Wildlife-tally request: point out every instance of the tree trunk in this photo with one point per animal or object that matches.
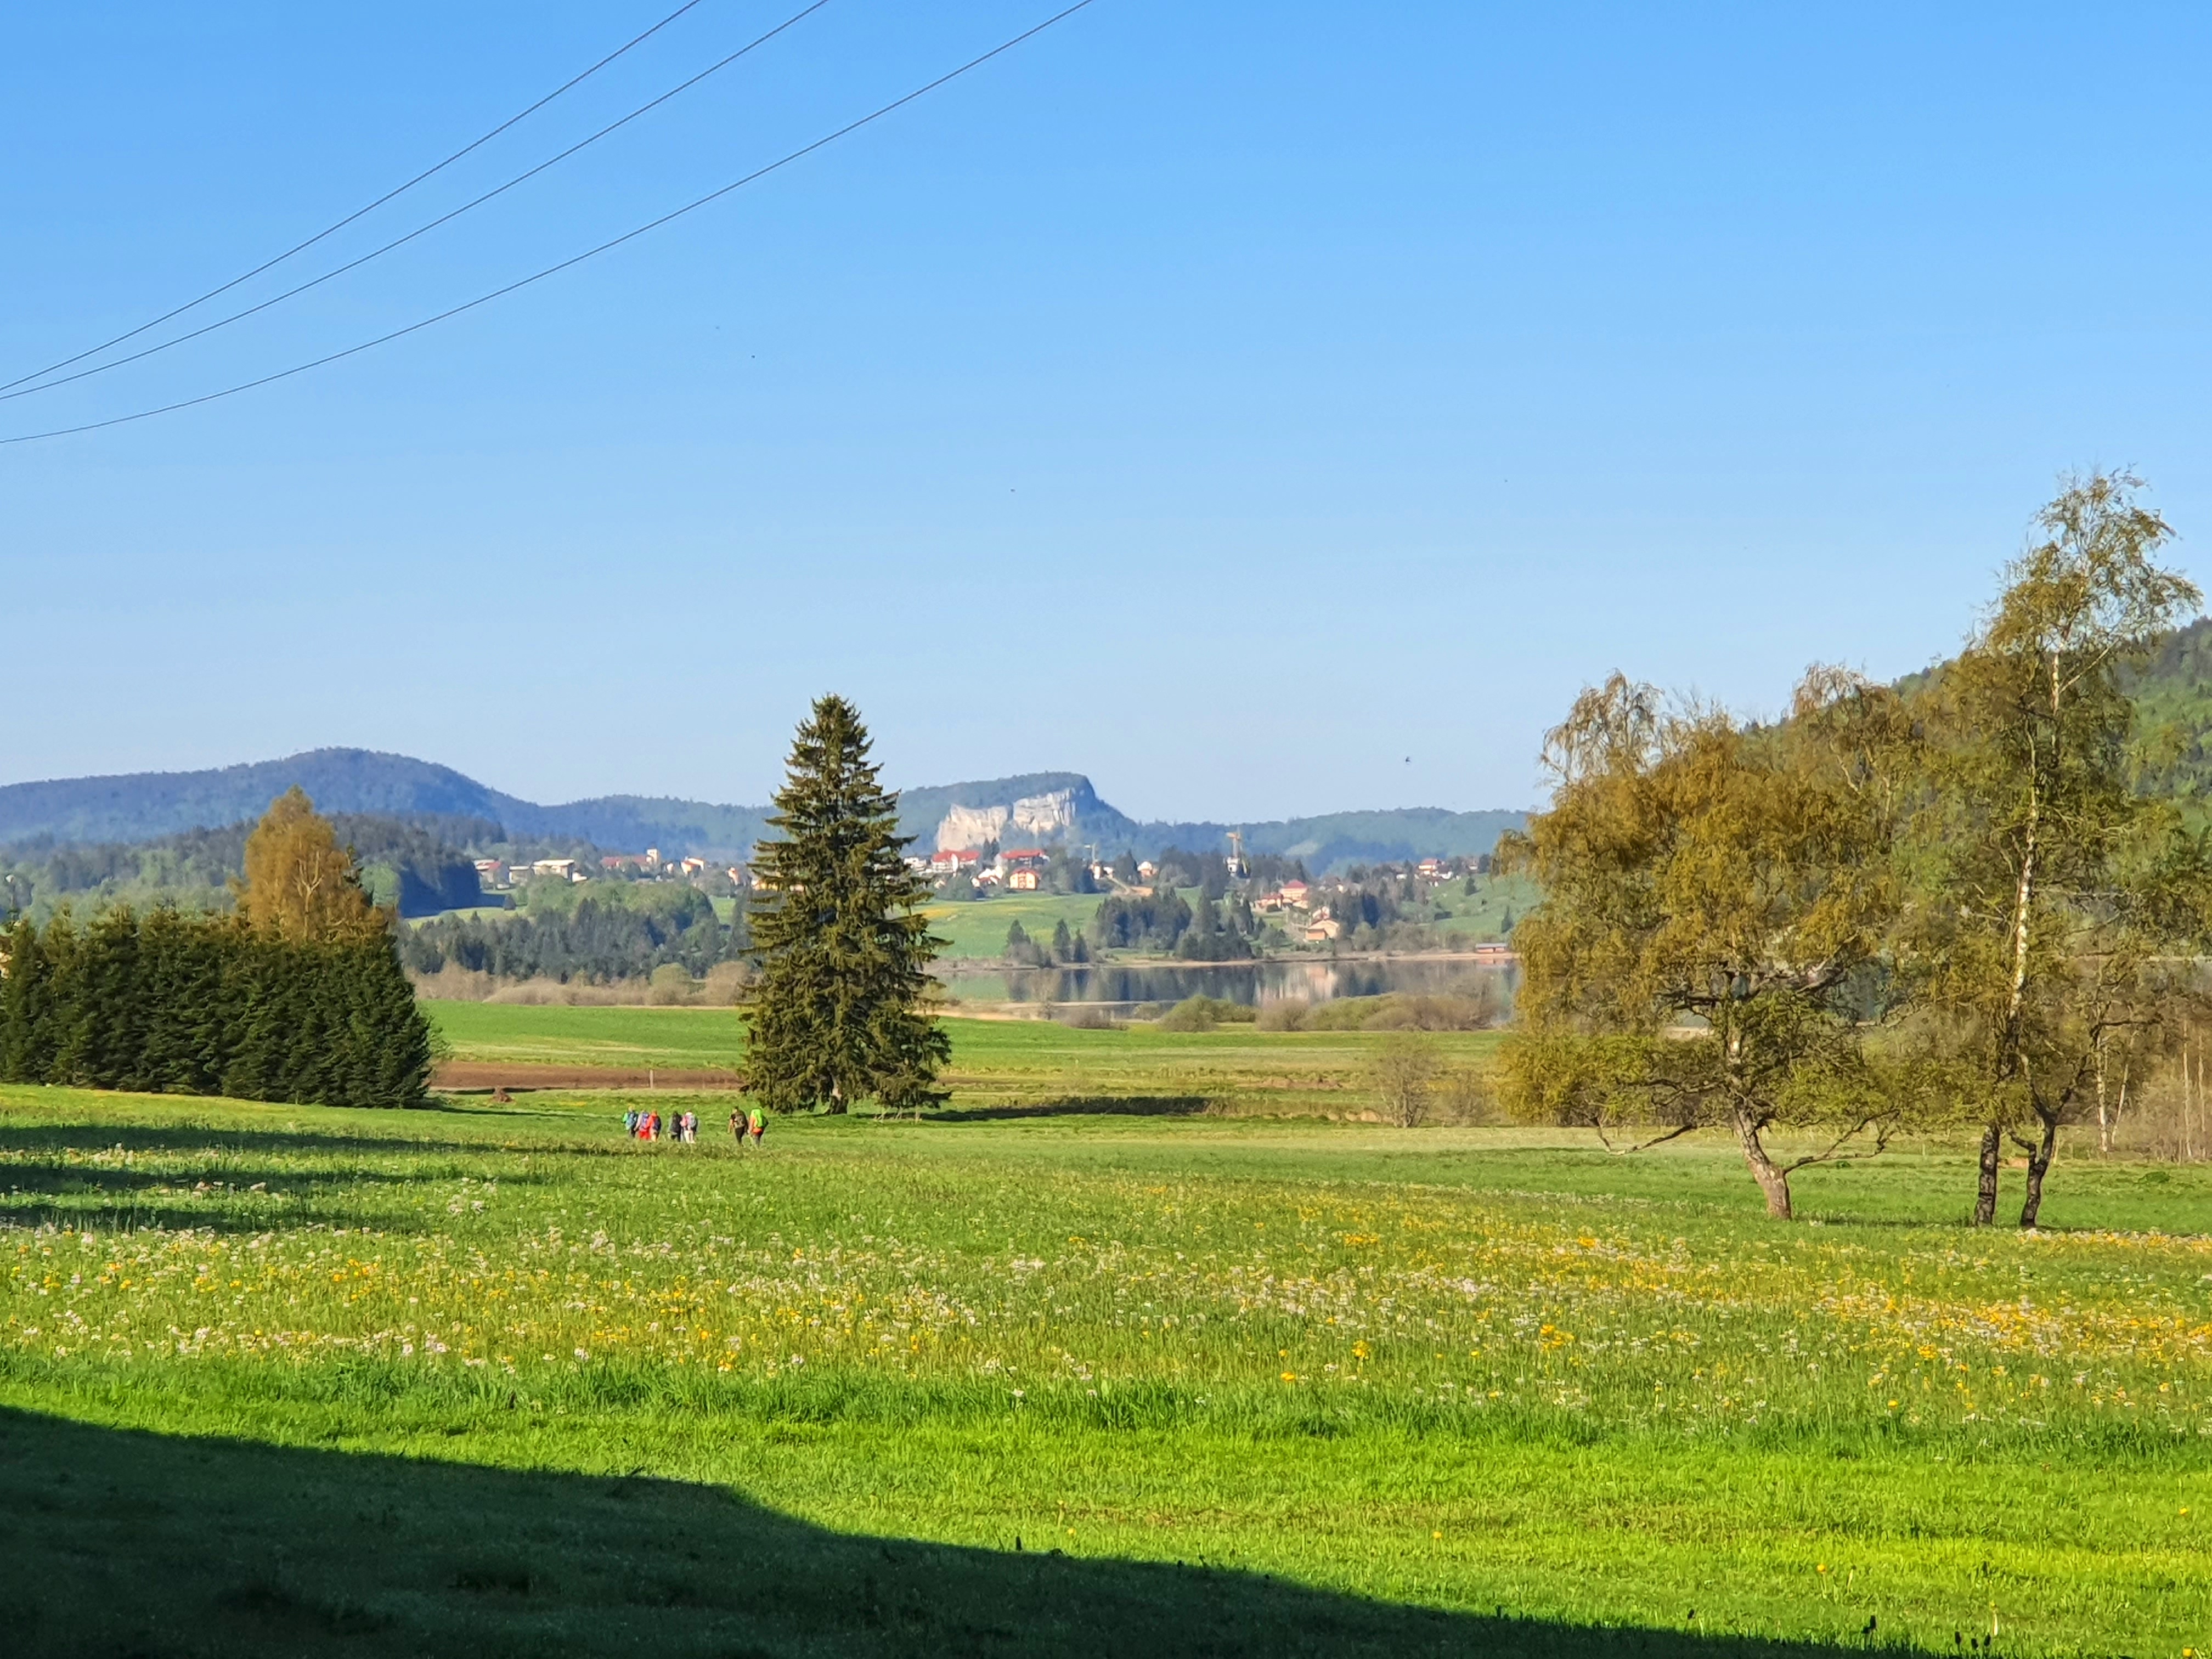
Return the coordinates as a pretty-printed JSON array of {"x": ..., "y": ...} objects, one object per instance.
[
  {"x": 2023, "y": 907},
  {"x": 1986, "y": 1200},
  {"x": 2038, "y": 1162},
  {"x": 1772, "y": 1179},
  {"x": 2104, "y": 1117}
]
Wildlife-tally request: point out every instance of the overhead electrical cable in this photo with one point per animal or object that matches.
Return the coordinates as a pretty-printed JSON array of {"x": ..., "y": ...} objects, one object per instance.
[
  {"x": 420, "y": 230},
  {"x": 691, "y": 206},
  {"x": 332, "y": 230}
]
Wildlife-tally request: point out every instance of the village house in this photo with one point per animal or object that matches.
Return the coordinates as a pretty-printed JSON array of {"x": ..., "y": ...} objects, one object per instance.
[
  {"x": 953, "y": 860},
  {"x": 564, "y": 869},
  {"x": 491, "y": 873},
  {"x": 1023, "y": 868},
  {"x": 1293, "y": 895},
  {"x": 1322, "y": 927}
]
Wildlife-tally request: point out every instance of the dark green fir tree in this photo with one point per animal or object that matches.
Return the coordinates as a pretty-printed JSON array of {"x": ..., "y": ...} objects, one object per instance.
[{"x": 838, "y": 1015}]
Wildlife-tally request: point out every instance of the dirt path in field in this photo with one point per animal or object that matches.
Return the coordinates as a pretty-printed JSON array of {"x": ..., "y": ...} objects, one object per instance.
[{"x": 504, "y": 1074}]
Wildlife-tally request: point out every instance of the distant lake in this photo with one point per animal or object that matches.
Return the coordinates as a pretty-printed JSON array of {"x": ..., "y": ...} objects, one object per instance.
[{"x": 1255, "y": 984}]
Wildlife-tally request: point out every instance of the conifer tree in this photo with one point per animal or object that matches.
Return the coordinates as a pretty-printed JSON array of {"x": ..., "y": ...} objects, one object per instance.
[
  {"x": 836, "y": 1015},
  {"x": 27, "y": 998}
]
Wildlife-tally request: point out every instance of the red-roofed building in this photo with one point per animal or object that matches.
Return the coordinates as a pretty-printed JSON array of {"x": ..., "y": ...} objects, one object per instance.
[{"x": 952, "y": 860}]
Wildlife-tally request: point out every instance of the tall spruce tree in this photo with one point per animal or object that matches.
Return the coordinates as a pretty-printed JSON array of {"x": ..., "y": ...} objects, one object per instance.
[{"x": 837, "y": 1014}]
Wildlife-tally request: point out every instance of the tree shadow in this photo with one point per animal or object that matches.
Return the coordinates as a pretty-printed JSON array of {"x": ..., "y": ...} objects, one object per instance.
[
  {"x": 46, "y": 1175},
  {"x": 185, "y": 1137},
  {"x": 1083, "y": 1106},
  {"x": 138, "y": 1545}
]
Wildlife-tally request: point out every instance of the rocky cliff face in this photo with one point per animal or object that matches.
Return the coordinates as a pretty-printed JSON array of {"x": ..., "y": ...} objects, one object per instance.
[{"x": 1040, "y": 818}]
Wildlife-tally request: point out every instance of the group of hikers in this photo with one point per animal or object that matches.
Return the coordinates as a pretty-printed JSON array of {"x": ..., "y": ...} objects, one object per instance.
[{"x": 684, "y": 1126}]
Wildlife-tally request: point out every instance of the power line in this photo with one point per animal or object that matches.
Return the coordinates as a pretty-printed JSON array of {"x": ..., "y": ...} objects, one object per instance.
[
  {"x": 420, "y": 230},
  {"x": 574, "y": 260},
  {"x": 332, "y": 230}
]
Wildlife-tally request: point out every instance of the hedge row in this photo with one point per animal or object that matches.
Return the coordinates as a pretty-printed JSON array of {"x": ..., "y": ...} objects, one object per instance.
[{"x": 177, "y": 1004}]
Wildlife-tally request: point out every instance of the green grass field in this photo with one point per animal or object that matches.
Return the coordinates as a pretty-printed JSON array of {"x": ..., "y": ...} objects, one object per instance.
[
  {"x": 676, "y": 1038},
  {"x": 497, "y": 1380},
  {"x": 996, "y": 1063},
  {"x": 976, "y": 930},
  {"x": 1489, "y": 913}
]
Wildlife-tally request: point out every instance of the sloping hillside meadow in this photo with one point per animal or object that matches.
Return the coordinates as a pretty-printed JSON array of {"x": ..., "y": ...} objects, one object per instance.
[{"x": 1149, "y": 1365}]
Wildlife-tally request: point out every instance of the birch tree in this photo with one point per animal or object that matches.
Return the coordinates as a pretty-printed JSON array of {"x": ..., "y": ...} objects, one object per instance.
[{"x": 2052, "y": 892}]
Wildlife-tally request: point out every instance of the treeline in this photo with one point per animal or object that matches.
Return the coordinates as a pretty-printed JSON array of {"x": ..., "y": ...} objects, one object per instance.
[
  {"x": 418, "y": 866},
  {"x": 635, "y": 929},
  {"x": 172, "y": 1003},
  {"x": 296, "y": 996},
  {"x": 1152, "y": 921},
  {"x": 1961, "y": 904}
]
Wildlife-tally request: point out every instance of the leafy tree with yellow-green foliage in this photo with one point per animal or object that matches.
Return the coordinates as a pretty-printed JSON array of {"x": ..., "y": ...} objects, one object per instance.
[
  {"x": 301, "y": 885},
  {"x": 1717, "y": 897}
]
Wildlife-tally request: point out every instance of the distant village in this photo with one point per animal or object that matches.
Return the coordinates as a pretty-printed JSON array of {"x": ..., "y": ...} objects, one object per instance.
[
  {"x": 497, "y": 875},
  {"x": 1278, "y": 897},
  {"x": 1301, "y": 908}
]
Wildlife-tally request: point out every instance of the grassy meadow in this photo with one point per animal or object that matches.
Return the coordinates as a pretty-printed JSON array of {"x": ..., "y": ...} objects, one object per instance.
[
  {"x": 996, "y": 1063},
  {"x": 1130, "y": 1349},
  {"x": 975, "y": 930}
]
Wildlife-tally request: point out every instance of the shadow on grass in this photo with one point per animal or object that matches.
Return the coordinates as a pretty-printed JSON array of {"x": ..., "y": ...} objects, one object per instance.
[
  {"x": 42, "y": 1181},
  {"x": 1083, "y": 1106},
  {"x": 186, "y": 1136},
  {"x": 138, "y": 1545}
]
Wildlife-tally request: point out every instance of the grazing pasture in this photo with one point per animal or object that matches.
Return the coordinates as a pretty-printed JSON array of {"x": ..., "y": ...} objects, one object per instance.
[{"x": 1067, "y": 1370}]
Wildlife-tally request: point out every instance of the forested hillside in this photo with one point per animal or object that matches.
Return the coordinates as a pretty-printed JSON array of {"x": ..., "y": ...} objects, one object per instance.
[
  {"x": 2173, "y": 702},
  {"x": 1044, "y": 808},
  {"x": 597, "y": 932},
  {"x": 421, "y": 868}
]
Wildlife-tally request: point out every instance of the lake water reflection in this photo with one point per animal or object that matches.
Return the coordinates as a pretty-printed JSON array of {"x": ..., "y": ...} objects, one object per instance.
[{"x": 1255, "y": 984}]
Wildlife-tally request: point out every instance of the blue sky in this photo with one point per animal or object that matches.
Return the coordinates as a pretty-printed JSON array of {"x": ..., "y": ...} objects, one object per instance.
[{"x": 1266, "y": 409}]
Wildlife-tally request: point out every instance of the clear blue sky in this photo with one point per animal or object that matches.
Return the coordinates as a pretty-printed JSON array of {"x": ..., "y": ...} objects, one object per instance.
[{"x": 1228, "y": 401}]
